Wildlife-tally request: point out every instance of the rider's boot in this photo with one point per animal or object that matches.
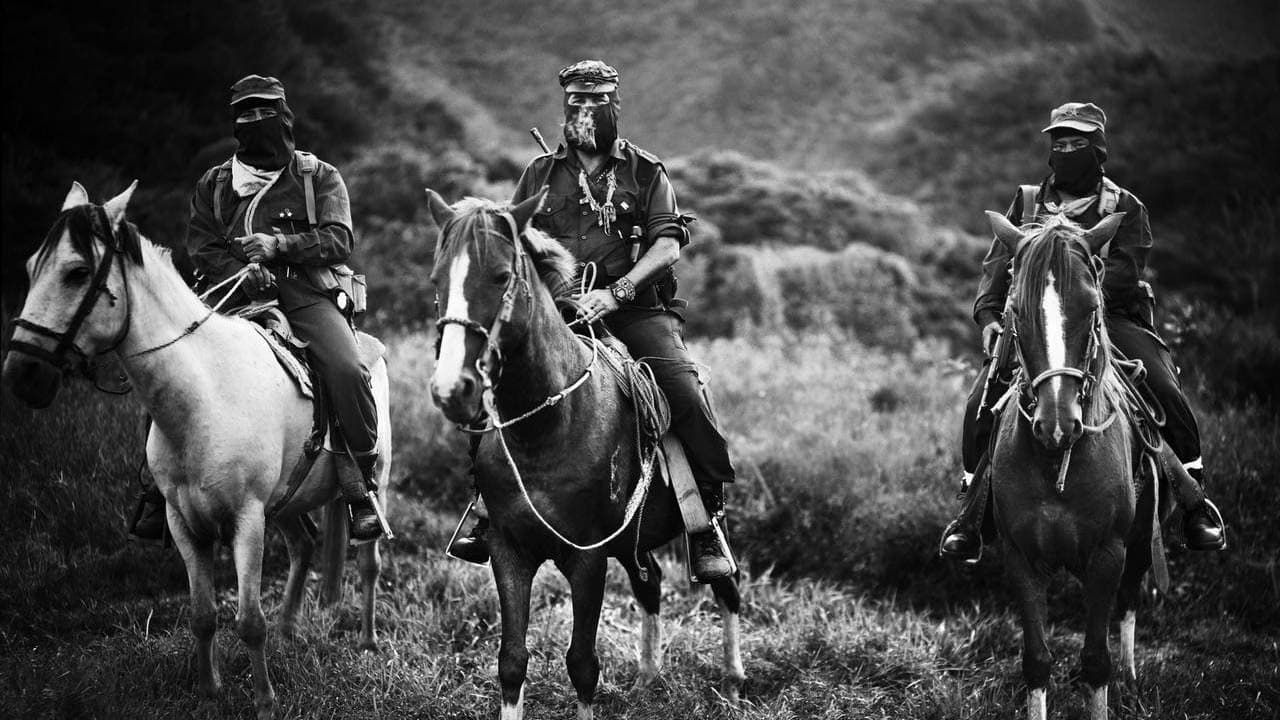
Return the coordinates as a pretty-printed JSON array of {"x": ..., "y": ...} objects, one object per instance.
[
  {"x": 474, "y": 546},
  {"x": 149, "y": 521},
  {"x": 707, "y": 554},
  {"x": 365, "y": 525},
  {"x": 962, "y": 539},
  {"x": 1202, "y": 525}
]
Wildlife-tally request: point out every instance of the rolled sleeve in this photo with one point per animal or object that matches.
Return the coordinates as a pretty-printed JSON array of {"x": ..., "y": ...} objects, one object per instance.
[{"x": 663, "y": 213}]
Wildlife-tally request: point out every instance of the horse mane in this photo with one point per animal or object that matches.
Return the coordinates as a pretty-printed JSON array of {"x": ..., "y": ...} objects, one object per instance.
[
  {"x": 476, "y": 216},
  {"x": 80, "y": 221},
  {"x": 1048, "y": 250}
]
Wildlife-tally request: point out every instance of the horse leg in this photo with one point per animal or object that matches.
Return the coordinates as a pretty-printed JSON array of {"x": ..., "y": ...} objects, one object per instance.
[
  {"x": 370, "y": 560},
  {"x": 730, "y": 602},
  {"x": 1137, "y": 560},
  {"x": 514, "y": 576},
  {"x": 1102, "y": 578},
  {"x": 198, "y": 556},
  {"x": 585, "y": 572},
  {"x": 251, "y": 623},
  {"x": 648, "y": 592},
  {"x": 1031, "y": 587},
  {"x": 301, "y": 548}
]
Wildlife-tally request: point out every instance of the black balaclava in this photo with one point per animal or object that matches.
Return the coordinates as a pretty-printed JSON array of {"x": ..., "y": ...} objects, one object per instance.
[
  {"x": 266, "y": 144},
  {"x": 592, "y": 129},
  {"x": 1080, "y": 171}
]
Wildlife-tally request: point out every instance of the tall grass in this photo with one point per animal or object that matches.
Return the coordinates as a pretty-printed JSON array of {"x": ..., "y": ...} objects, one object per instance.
[{"x": 846, "y": 466}]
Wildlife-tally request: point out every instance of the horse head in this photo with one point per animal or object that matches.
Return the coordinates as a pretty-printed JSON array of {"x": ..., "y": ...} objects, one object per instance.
[
  {"x": 487, "y": 263},
  {"x": 64, "y": 321},
  {"x": 1056, "y": 317}
]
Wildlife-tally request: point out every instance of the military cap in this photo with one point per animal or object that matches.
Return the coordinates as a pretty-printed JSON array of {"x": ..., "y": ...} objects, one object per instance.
[
  {"x": 1085, "y": 117},
  {"x": 256, "y": 86},
  {"x": 590, "y": 76}
]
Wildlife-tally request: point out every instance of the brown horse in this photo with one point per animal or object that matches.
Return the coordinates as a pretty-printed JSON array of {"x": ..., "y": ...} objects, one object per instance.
[
  {"x": 1063, "y": 462},
  {"x": 560, "y": 468}
]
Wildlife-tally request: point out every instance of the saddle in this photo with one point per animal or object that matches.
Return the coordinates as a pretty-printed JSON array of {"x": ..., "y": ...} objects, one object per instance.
[{"x": 290, "y": 352}]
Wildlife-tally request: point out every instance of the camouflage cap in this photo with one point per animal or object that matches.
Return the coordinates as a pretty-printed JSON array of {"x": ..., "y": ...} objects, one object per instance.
[
  {"x": 256, "y": 86},
  {"x": 591, "y": 76},
  {"x": 1085, "y": 117}
]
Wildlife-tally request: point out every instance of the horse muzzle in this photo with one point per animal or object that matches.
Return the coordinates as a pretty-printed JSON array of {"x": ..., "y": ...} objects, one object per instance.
[
  {"x": 1057, "y": 422},
  {"x": 33, "y": 381},
  {"x": 459, "y": 398}
]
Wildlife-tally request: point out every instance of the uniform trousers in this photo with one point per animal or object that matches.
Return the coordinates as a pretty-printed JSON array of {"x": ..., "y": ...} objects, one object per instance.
[
  {"x": 656, "y": 337},
  {"x": 335, "y": 359}
]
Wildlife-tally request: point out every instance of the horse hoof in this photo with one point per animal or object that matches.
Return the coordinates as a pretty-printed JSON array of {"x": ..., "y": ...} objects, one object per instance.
[
  {"x": 211, "y": 690},
  {"x": 730, "y": 691},
  {"x": 369, "y": 646},
  {"x": 267, "y": 713}
]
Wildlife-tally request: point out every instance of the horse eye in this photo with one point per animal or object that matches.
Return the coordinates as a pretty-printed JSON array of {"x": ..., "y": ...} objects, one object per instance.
[
  {"x": 77, "y": 275},
  {"x": 502, "y": 277}
]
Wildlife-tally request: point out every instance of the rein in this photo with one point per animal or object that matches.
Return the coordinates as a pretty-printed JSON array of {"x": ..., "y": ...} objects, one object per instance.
[{"x": 496, "y": 424}]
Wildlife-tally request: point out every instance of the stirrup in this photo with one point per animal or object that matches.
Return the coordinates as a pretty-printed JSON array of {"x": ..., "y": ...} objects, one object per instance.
[
  {"x": 724, "y": 550},
  {"x": 457, "y": 531}
]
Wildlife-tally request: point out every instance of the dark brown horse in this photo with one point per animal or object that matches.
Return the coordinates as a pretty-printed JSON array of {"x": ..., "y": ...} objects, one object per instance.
[
  {"x": 560, "y": 468},
  {"x": 1063, "y": 479}
]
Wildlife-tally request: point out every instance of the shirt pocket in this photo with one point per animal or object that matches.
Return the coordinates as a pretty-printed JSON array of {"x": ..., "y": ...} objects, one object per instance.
[
  {"x": 627, "y": 204},
  {"x": 556, "y": 216}
]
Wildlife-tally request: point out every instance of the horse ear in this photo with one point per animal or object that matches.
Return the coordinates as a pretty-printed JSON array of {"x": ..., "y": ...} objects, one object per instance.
[
  {"x": 440, "y": 211},
  {"x": 1005, "y": 231},
  {"x": 76, "y": 196},
  {"x": 1100, "y": 234},
  {"x": 116, "y": 205},
  {"x": 526, "y": 210}
]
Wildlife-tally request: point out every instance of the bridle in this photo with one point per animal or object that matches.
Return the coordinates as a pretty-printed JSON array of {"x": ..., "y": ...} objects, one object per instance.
[
  {"x": 491, "y": 358},
  {"x": 1025, "y": 387},
  {"x": 66, "y": 355}
]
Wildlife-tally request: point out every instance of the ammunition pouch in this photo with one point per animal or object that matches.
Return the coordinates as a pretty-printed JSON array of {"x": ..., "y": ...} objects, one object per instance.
[{"x": 347, "y": 288}]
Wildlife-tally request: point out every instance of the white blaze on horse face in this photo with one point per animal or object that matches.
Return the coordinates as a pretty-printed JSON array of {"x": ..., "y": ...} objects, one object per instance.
[
  {"x": 453, "y": 341},
  {"x": 1055, "y": 339}
]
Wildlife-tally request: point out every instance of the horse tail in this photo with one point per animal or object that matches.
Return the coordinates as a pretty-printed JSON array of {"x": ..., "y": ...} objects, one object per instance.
[{"x": 333, "y": 552}]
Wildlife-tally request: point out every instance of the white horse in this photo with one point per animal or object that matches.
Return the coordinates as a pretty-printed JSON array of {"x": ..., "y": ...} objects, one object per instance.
[{"x": 228, "y": 422}]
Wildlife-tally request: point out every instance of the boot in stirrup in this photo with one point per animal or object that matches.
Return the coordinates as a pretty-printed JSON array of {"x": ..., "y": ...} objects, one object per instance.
[
  {"x": 365, "y": 526},
  {"x": 149, "y": 521},
  {"x": 708, "y": 550},
  {"x": 1202, "y": 525},
  {"x": 962, "y": 538},
  {"x": 472, "y": 547}
]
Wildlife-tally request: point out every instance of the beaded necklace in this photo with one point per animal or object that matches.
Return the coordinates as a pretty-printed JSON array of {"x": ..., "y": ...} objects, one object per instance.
[{"x": 606, "y": 213}]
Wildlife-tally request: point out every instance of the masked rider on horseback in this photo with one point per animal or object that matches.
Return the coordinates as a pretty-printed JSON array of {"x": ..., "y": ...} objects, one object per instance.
[
  {"x": 612, "y": 205},
  {"x": 253, "y": 214},
  {"x": 1079, "y": 189}
]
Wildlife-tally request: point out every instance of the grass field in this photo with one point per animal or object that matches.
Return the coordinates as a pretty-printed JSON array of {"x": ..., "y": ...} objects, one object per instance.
[{"x": 847, "y": 462}]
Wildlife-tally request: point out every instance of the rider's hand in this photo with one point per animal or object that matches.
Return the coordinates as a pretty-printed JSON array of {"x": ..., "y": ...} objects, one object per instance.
[
  {"x": 990, "y": 332},
  {"x": 258, "y": 280},
  {"x": 260, "y": 247},
  {"x": 596, "y": 304}
]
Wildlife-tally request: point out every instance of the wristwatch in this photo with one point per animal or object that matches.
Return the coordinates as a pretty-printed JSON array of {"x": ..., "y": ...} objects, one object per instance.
[{"x": 623, "y": 290}]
